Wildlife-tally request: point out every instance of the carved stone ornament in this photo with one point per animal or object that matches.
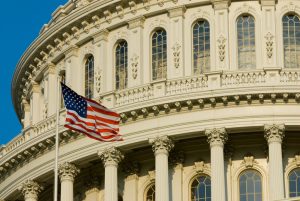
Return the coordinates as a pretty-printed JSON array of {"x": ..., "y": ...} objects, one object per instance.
[
  {"x": 221, "y": 47},
  {"x": 176, "y": 54},
  {"x": 296, "y": 160},
  {"x": 161, "y": 144},
  {"x": 111, "y": 156},
  {"x": 216, "y": 136},
  {"x": 269, "y": 44},
  {"x": 30, "y": 189},
  {"x": 45, "y": 110},
  {"x": 98, "y": 77},
  {"x": 274, "y": 132},
  {"x": 80, "y": 3},
  {"x": 200, "y": 167},
  {"x": 151, "y": 175},
  {"x": 134, "y": 65},
  {"x": 67, "y": 171},
  {"x": 249, "y": 161}
]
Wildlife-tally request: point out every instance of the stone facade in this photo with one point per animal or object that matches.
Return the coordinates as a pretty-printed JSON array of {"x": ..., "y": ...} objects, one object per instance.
[{"x": 219, "y": 123}]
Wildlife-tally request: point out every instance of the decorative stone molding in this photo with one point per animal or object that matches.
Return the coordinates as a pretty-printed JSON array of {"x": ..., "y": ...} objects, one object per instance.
[
  {"x": 68, "y": 171},
  {"x": 101, "y": 35},
  {"x": 216, "y": 136},
  {"x": 30, "y": 189},
  {"x": 200, "y": 167},
  {"x": 111, "y": 156},
  {"x": 220, "y": 4},
  {"x": 136, "y": 22},
  {"x": 274, "y": 132},
  {"x": 80, "y": 3},
  {"x": 176, "y": 53},
  {"x": 151, "y": 175},
  {"x": 98, "y": 77},
  {"x": 294, "y": 162},
  {"x": 161, "y": 144},
  {"x": 249, "y": 161},
  {"x": 134, "y": 65},
  {"x": 269, "y": 44},
  {"x": 177, "y": 11},
  {"x": 221, "y": 46}
]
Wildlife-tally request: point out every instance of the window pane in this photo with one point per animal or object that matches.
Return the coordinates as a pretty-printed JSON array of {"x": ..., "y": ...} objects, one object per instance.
[
  {"x": 159, "y": 55},
  {"x": 121, "y": 65},
  {"x": 89, "y": 77},
  {"x": 250, "y": 186},
  {"x": 201, "y": 47},
  {"x": 150, "y": 195},
  {"x": 201, "y": 189},
  {"x": 246, "y": 42},
  {"x": 291, "y": 42}
]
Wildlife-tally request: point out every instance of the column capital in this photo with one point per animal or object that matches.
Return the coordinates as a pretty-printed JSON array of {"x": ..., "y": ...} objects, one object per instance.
[
  {"x": 267, "y": 2},
  {"x": 177, "y": 11},
  {"x": 220, "y": 4},
  {"x": 274, "y": 132},
  {"x": 216, "y": 136},
  {"x": 25, "y": 105},
  {"x": 35, "y": 87},
  {"x": 111, "y": 156},
  {"x": 68, "y": 171},
  {"x": 30, "y": 189},
  {"x": 161, "y": 144}
]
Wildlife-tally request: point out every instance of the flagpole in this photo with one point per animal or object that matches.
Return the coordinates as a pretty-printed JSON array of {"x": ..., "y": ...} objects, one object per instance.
[{"x": 56, "y": 142}]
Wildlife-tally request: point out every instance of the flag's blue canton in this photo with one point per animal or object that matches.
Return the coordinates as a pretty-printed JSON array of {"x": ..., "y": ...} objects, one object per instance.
[{"x": 74, "y": 102}]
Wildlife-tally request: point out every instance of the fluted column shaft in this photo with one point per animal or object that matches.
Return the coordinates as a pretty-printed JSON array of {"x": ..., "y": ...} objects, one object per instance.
[
  {"x": 67, "y": 173},
  {"x": 111, "y": 158},
  {"x": 217, "y": 139},
  {"x": 161, "y": 147},
  {"x": 274, "y": 135},
  {"x": 30, "y": 190}
]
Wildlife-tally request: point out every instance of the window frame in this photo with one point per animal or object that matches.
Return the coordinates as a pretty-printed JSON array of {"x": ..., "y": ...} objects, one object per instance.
[
  {"x": 193, "y": 179},
  {"x": 192, "y": 47},
  {"x": 87, "y": 57},
  {"x": 151, "y": 54},
  {"x": 115, "y": 64},
  {"x": 261, "y": 179}
]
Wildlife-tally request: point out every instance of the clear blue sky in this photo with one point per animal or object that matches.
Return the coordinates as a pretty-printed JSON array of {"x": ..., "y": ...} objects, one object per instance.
[{"x": 21, "y": 23}]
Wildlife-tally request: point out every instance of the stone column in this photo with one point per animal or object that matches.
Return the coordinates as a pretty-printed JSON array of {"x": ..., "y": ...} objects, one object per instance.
[
  {"x": 26, "y": 110},
  {"x": 111, "y": 157},
  {"x": 67, "y": 173},
  {"x": 36, "y": 111},
  {"x": 217, "y": 137},
  {"x": 161, "y": 146},
  {"x": 52, "y": 87},
  {"x": 274, "y": 135},
  {"x": 30, "y": 190},
  {"x": 74, "y": 70}
]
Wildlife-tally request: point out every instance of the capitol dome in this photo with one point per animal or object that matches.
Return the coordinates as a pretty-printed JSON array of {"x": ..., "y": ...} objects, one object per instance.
[{"x": 208, "y": 92}]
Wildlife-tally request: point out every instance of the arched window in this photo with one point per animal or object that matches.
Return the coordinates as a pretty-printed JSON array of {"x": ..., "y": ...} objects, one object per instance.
[
  {"x": 89, "y": 77},
  {"x": 159, "y": 54},
  {"x": 246, "y": 42},
  {"x": 250, "y": 186},
  {"x": 150, "y": 194},
  {"x": 294, "y": 183},
  {"x": 121, "y": 65},
  {"x": 291, "y": 41},
  {"x": 201, "y": 189},
  {"x": 201, "y": 47}
]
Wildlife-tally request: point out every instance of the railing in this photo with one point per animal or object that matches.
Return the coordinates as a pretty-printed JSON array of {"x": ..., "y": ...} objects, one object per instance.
[{"x": 165, "y": 88}]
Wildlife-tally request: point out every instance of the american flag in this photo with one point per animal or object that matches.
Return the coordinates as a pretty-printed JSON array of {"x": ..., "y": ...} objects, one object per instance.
[{"x": 89, "y": 117}]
